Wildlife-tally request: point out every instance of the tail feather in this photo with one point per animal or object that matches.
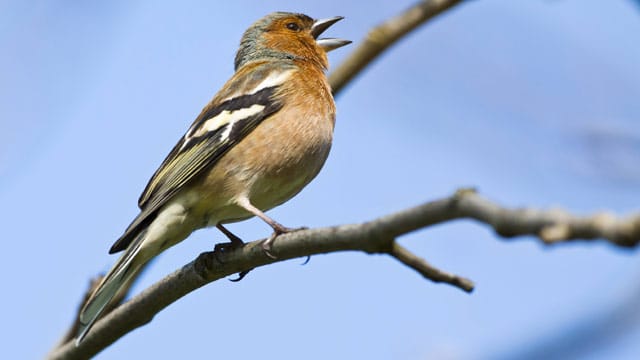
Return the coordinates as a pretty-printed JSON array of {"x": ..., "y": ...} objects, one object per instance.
[{"x": 125, "y": 268}]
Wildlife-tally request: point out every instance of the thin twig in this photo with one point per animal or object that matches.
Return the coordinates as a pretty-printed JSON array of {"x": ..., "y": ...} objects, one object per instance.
[{"x": 427, "y": 270}]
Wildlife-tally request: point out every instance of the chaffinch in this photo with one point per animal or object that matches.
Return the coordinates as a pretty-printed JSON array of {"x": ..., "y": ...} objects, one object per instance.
[{"x": 261, "y": 139}]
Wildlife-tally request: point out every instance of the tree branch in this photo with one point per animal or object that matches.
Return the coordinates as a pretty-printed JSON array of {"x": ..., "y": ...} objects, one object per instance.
[
  {"x": 384, "y": 35},
  {"x": 377, "y": 236}
]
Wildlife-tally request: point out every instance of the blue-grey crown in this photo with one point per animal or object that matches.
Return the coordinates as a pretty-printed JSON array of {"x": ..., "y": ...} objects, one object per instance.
[{"x": 251, "y": 46}]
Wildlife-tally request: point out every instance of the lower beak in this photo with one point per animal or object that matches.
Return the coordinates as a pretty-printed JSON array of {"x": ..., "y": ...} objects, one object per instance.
[{"x": 328, "y": 44}]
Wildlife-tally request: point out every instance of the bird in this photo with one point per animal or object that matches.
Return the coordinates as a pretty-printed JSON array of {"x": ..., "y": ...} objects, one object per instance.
[{"x": 259, "y": 141}]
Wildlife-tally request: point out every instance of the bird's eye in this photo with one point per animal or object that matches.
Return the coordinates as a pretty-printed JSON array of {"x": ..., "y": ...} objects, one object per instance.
[{"x": 293, "y": 26}]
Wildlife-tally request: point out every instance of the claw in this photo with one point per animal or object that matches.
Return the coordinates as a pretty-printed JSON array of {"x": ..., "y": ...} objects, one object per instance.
[
  {"x": 266, "y": 246},
  {"x": 241, "y": 275},
  {"x": 306, "y": 261}
]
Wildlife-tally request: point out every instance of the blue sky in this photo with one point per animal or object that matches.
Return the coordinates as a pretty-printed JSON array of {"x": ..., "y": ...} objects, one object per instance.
[{"x": 533, "y": 102}]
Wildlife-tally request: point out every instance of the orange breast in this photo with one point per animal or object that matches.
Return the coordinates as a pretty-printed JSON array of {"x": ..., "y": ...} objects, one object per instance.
[{"x": 278, "y": 158}]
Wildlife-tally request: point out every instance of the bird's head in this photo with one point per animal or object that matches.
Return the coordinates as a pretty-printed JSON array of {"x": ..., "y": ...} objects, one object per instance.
[{"x": 288, "y": 36}]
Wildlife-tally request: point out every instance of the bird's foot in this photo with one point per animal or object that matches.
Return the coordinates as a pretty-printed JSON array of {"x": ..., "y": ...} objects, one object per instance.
[
  {"x": 278, "y": 229},
  {"x": 225, "y": 247},
  {"x": 234, "y": 244}
]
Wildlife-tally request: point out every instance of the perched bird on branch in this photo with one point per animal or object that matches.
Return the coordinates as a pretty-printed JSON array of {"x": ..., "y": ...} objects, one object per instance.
[{"x": 261, "y": 139}]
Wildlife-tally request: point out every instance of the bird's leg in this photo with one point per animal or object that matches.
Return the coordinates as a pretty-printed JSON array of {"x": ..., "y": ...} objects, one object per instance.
[
  {"x": 235, "y": 243},
  {"x": 278, "y": 228}
]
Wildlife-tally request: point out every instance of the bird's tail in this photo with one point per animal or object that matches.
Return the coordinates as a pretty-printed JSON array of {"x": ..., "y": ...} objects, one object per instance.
[{"x": 127, "y": 266}]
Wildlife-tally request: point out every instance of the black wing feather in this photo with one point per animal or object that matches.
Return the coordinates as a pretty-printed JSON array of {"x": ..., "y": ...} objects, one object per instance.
[{"x": 194, "y": 155}]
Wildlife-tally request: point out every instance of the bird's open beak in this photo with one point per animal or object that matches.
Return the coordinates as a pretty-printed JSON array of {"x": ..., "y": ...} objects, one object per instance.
[{"x": 327, "y": 44}]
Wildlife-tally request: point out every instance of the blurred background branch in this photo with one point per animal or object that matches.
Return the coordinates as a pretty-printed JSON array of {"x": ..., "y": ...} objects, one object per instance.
[{"x": 384, "y": 35}]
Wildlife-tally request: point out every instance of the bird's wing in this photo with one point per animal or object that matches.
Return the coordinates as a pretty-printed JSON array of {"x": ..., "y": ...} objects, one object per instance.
[{"x": 213, "y": 133}]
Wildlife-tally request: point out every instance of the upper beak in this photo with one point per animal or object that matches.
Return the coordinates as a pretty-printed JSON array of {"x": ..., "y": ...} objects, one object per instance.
[{"x": 328, "y": 44}]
